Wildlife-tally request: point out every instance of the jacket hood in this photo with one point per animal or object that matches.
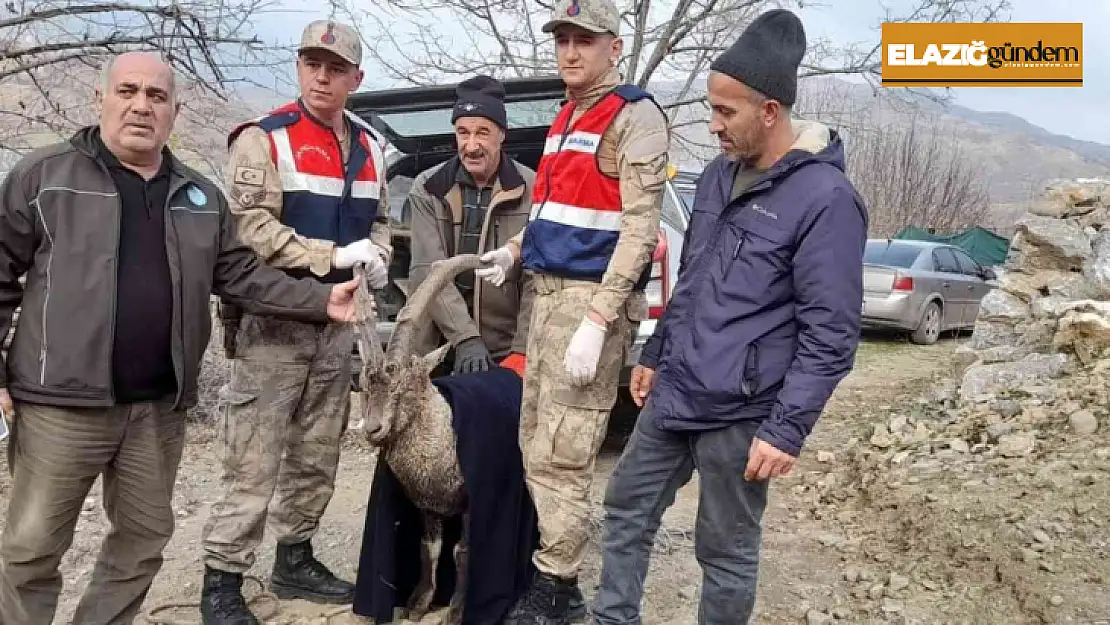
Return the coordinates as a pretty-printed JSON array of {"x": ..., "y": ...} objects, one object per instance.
[{"x": 814, "y": 143}]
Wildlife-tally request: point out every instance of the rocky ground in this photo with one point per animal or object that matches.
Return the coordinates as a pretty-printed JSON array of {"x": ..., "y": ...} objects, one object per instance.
[{"x": 904, "y": 509}]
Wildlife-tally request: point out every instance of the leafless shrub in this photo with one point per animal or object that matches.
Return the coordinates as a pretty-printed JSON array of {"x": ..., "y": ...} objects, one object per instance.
[
  {"x": 668, "y": 45},
  {"x": 916, "y": 174},
  {"x": 51, "y": 52}
]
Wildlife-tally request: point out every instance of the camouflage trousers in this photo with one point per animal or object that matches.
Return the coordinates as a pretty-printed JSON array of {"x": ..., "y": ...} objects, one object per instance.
[
  {"x": 284, "y": 411},
  {"x": 562, "y": 425}
]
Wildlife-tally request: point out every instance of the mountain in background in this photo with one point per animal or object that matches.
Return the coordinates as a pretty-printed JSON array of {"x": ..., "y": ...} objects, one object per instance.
[
  {"x": 1098, "y": 153},
  {"x": 1016, "y": 158}
]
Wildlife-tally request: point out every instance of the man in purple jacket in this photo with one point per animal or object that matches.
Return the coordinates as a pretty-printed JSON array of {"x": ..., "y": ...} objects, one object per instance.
[{"x": 762, "y": 326}]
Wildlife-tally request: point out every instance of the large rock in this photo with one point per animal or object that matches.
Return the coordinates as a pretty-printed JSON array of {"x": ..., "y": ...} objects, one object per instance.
[
  {"x": 1005, "y": 341},
  {"x": 1045, "y": 283},
  {"x": 1045, "y": 243},
  {"x": 999, "y": 305},
  {"x": 983, "y": 382},
  {"x": 1084, "y": 328},
  {"x": 1052, "y": 305},
  {"x": 1097, "y": 270},
  {"x": 1069, "y": 198}
]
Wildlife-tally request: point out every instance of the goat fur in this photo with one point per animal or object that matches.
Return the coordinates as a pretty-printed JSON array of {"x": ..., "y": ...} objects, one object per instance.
[{"x": 410, "y": 422}]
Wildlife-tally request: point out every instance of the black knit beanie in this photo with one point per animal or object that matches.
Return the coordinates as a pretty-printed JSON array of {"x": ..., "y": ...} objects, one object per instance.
[
  {"x": 481, "y": 96},
  {"x": 767, "y": 55}
]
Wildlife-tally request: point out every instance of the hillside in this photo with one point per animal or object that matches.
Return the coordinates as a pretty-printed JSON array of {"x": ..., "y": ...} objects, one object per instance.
[
  {"x": 1016, "y": 157},
  {"x": 199, "y": 136}
]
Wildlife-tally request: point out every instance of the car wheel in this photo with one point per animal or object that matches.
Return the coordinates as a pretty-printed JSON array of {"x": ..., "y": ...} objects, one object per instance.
[{"x": 928, "y": 331}]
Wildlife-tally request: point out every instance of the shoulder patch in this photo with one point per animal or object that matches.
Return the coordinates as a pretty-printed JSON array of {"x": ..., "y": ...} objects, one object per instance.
[
  {"x": 268, "y": 122},
  {"x": 250, "y": 176},
  {"x": 632, "y": 93},
  {"x": 274, "y": 121}
]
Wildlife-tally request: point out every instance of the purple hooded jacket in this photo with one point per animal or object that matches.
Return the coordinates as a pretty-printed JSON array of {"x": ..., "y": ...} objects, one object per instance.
[{"x": 765, "y": 318}]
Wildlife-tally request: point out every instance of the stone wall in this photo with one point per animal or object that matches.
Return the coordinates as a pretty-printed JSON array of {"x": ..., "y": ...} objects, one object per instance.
[{"x": 1050, "y": 315}]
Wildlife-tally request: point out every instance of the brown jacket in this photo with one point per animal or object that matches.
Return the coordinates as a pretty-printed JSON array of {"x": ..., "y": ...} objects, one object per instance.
[
  {"x": 502, "y": 313},
  {"x": 59, "y": 219},
  {"x": 633, "y": 150}
]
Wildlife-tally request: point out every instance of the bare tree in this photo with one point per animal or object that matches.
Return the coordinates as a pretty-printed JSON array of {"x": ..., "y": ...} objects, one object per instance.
[
  {"x": 51, "y": 51},
  {"x": 668, "y": 45},
  {"x": 916, "y": 172}
]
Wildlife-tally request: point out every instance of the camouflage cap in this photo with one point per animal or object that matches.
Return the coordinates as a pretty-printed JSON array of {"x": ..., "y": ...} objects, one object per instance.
[
  {"x": 333, "y": 37},
  {"x": 596, "y": 16}
]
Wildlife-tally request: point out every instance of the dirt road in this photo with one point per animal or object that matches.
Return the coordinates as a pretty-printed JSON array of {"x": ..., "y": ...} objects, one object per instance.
[{"x": 914, "y": 529}]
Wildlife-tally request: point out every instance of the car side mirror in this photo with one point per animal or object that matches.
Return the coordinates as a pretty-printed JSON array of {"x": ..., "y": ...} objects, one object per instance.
[{"x": 988, "y": 274}]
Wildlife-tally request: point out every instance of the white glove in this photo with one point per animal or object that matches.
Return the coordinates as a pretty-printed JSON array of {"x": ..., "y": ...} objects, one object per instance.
[
  {"x": 583, "y": 352},
  {"x": 500, "y": 261},
  {"x": 364, "y": 251}
]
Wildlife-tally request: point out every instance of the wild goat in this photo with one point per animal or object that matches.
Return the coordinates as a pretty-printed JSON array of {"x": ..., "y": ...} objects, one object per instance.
[{"x": 410, "y": 422}]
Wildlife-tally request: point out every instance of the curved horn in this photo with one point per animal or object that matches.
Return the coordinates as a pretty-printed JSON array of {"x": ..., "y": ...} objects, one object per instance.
[
  {"x": 415, "y": 311},
  {"x": 366, "y": 322}
]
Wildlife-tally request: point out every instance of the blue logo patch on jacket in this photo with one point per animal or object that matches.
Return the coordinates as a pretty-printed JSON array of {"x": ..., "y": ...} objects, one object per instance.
[{"x": 196, "y": 195}]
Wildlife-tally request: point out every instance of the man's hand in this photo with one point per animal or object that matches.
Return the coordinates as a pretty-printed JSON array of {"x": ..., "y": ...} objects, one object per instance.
[
  {"x": 471, "y": 356},
  {"x": 499, "y": 262},
  {"x": 584, "y": 352},
  {"x": 7, "y": 405},
  {"x": 766, "y": 461},
  {"x": 640, "y": 384},
  {"x": 341, "y": 304},
  {"x": 364, "y": 251}
]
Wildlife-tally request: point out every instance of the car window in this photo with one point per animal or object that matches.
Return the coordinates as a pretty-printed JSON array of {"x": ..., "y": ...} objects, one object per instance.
[
  {"x": 398, "y": 192},
  {"x": 890, "y": 253},
  {"x": 967, "y": 264},
  {"x": 520, "y": 114},
  {"x": 945, "y": 261}
]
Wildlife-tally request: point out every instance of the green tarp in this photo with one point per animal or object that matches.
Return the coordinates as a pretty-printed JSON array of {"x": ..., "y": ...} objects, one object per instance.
[{"x": 986, "y": 247}]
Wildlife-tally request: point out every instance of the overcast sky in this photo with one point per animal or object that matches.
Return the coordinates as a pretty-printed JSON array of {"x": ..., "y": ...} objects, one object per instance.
[
  {"x": 1076, "y": 111},
  {"x": 1079, "y": 112}
]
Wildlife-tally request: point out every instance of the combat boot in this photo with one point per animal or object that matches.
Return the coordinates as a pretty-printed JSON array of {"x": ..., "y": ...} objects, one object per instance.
[
  {"x": 299, "y": 575},
  {"x": 546, "y": 602},
  {"x": 221, "y": 600}
]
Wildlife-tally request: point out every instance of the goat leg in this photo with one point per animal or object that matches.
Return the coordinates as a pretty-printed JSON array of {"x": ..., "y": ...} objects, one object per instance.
[
  {"x": 431, "y": 543},
  {"x": 457, "y": 607}
]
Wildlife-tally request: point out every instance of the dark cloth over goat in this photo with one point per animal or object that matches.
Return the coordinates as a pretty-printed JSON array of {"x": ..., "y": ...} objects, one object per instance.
[{"x": 502, "y": 518}]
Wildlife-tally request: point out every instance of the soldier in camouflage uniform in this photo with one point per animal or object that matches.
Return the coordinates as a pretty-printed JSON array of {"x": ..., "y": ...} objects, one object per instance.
[
  {"x": 588, "y": 244},
  {"x": 307, "y": 188}
]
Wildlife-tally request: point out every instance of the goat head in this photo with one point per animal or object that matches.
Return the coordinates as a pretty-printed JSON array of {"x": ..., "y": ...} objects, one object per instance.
[{"x": 394, "y": 382}]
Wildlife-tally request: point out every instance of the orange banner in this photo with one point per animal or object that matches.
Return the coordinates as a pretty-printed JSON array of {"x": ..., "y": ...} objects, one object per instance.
[{"x": 993, "y": 54}]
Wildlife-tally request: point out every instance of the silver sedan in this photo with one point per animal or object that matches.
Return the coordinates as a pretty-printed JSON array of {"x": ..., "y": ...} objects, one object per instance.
[{"x": 921, "y": 287}]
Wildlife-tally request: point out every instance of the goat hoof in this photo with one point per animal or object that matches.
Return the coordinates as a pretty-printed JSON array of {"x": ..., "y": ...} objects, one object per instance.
[{"x": 419, "y": 607}]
